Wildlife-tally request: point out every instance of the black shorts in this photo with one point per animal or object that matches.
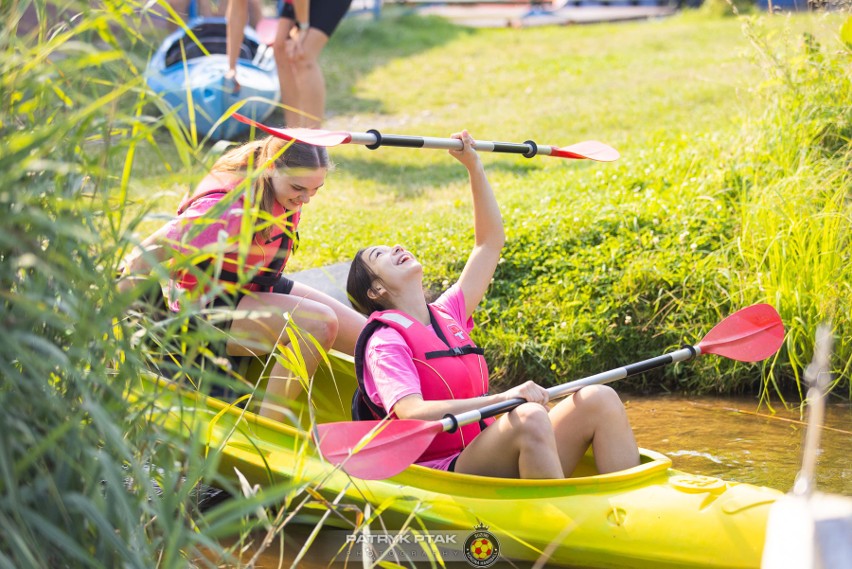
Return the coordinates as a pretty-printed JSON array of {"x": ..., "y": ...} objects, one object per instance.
[
  {"x": 452, "y": 466},
  {"x": 283, "y": 286},
  {"x": 325, "y": 15}
]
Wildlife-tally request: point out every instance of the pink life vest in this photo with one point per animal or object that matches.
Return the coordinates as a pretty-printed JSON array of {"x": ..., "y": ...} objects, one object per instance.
[
  {"x": 266, "y": 260},
  {"x": 449, "y": 366}
]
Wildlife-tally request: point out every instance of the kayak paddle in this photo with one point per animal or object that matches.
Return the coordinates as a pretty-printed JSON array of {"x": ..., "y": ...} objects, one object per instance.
[
  {"x": 375, "y": 450},
  {"x": 372, "y": 139}
]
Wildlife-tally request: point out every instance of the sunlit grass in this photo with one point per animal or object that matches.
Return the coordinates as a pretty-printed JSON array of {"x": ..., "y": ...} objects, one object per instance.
[
  {"x": 733, "y": 188},
  {"x": 605, "y": 264},
  {"x": 629, "y": 259}
]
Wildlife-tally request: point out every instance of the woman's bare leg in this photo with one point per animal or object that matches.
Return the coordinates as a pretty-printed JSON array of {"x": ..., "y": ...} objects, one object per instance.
[
  {"x": 237, "y": 16},
  {"x": 520, "y": 444},
  {"x": 594, "y": 416},
  {"x": 286, "y": 78},
  {"x": 264, "y": 328},
  {"x": 302, "y": 82},
  {"x": 311, "y": 80},
  {"x": 350, "y": 322}
]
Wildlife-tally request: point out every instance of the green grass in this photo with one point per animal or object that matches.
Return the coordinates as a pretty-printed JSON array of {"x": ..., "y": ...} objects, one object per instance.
[
  {"x": 606, "y": 263},
  {"x": 733, "y": 188}
]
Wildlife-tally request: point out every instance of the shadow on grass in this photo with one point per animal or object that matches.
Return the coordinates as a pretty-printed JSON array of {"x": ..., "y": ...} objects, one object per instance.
[
  {"x": 361, "y": 45},
  {"x": 408, "y": 180}
]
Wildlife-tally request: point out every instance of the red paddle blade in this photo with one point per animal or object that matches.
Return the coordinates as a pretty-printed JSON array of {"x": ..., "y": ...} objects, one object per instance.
[
  {"x": 748, "y": 335},
  {"x": 375, "y": 450},
  {"x": 589, "y": 150},
  {"x": 307, "y": 135}
]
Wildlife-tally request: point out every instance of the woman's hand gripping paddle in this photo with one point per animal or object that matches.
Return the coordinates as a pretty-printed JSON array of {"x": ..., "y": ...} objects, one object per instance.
[
  {"x": 589, "y": 150},
  {"x": 374, "y": 450}
]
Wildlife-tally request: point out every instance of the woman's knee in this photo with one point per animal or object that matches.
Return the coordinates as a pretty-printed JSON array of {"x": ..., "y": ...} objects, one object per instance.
[
  {"x": 601, "y": 400},
  {"x": 319, "y": 321},
  {"x": 304, "y": 65},
  {"x": 330, "y": 330},
  {"x": 531, "y": 424},
  {"x": 279, "y": 47}
]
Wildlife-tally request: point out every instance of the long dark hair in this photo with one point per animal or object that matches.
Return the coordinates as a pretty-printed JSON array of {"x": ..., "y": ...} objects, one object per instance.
[
  {"x": 265, "y": 155},
  {"x": 358, "y": 284}
]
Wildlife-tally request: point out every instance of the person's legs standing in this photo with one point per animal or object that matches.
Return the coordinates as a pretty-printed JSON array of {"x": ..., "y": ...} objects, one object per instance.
[
  {"x": 286, "y": 76},
  {"x": 297, "y": 52},
  {"x": 303, "y": 59},
  {"x": 237, "y": 16}
]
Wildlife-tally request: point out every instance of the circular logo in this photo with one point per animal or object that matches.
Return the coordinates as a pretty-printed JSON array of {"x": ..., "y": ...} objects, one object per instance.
[{"x": 481, "y": 549}]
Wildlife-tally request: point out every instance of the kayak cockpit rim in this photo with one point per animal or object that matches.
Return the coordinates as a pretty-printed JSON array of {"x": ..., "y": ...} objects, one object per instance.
[{"x": 653, "y": 463}]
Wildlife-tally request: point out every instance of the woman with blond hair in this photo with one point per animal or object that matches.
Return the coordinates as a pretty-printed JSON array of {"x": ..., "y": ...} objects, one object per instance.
[{"x": 255, "y": 192}]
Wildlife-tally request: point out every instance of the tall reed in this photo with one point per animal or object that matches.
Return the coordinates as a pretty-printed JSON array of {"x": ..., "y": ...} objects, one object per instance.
[
  {"x": 795, "y": 233},
  {"x": 86, "y": 478}
]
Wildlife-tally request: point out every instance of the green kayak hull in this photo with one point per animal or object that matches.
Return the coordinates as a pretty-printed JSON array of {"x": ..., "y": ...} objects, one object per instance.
[{"x": 649, "y": 516}]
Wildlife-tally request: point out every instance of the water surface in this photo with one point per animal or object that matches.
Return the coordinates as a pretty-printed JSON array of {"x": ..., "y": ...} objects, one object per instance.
[{"x": 733, "y": 439}]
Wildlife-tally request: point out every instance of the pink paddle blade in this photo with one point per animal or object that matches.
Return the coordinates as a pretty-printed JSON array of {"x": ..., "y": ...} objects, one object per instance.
[
  {"x": 307, "y": 135},
  {"x": 267, "y": 29},
  {"x": 748, "y": 335},
  {"x": 375, "y": 450},
  {"x": 589, "y": 150}
]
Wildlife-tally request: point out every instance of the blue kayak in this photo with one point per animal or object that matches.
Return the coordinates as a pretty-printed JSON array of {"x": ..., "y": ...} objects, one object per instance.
[{"x": 192, "y": 83}]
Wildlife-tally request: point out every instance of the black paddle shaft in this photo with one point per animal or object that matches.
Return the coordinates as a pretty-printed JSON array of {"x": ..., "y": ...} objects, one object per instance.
[
  {"x": 453, "y": 422},
  {"x": 373, "y": 139}
]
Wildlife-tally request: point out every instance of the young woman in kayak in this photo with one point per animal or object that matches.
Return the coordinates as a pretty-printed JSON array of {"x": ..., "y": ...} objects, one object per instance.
[
  {"x": 282, "y": 180},
  {"x": 415, "y": 360}
]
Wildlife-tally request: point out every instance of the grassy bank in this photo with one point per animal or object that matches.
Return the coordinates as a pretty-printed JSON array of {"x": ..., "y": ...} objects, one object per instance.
[
  {"x": 735, "y": 143},
  {"x": 733, "y": 188},
  {"x": 605, "y": 264}
]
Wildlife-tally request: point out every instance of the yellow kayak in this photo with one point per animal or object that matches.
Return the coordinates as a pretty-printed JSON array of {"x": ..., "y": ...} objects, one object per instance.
[{"x": 648, "y": 516}]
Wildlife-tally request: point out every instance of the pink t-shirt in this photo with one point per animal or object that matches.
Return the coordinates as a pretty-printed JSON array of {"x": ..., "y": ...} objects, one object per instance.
[{"x": 389, "y": 372}]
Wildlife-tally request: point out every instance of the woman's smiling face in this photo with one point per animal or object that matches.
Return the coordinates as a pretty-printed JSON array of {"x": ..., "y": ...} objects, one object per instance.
[
  {"x": 392, "y": 264},
  {"x": 295, "y": 187}
]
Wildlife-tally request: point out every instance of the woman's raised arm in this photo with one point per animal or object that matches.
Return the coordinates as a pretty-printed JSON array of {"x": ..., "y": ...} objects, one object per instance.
[{"x": 489, "y": 236}]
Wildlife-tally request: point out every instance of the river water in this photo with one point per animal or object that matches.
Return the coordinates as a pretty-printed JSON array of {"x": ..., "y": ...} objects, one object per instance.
[{"x": 729, "y": 438}]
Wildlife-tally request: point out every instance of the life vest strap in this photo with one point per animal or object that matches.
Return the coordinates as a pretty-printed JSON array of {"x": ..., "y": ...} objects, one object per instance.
[
  {"x": 362, "y": 405},
  {"x": 455, "y": 351},
  {"x": 266, "y": 279}
]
